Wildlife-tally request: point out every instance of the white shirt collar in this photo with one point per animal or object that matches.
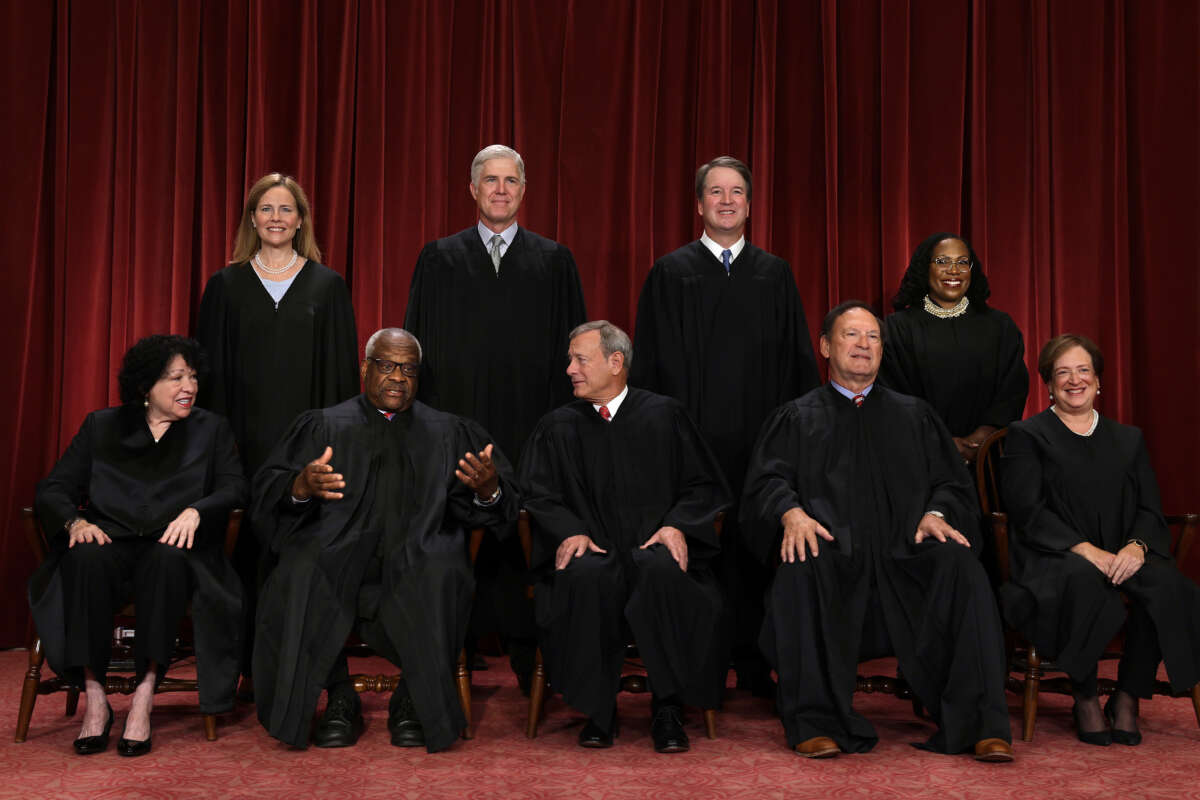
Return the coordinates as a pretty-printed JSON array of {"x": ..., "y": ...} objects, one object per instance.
[
  {"x": 715, "y": 249},
  {"x": 613, "y": 404},
  {"x": 486, "y": 234}
]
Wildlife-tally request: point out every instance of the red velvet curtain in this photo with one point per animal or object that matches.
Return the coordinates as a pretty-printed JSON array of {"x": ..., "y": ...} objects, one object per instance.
[{"x": 1059, "y": 136}]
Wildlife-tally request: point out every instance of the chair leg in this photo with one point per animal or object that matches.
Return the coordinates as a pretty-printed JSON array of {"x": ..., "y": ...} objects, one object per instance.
[
  {"x": 462, "y": 676},
  {"x": 710, "y": 722},
  {"x": 33, "y": 677},
  {"x": 537, "y": 695},
  {"x": 1196, "y": 701},
  {"x": 1033, "y": 680},
  {"x": 210, "y": 727}
]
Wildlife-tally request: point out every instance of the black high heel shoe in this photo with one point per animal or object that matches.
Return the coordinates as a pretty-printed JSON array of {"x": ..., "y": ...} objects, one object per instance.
[
  {"x": 89, "y": 745},
  {"x": 1099, "y": 738},
  {"x": 1131, "y": 738}
]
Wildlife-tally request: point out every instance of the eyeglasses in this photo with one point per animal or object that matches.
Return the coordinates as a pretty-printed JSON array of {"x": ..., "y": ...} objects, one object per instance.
[
  {"x": 964, "y": 264},
  {"x": 388, "y": 367}
]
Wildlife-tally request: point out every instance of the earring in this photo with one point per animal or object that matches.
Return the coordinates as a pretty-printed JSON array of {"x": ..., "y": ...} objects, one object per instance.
[{"x": 146, "y": 402}]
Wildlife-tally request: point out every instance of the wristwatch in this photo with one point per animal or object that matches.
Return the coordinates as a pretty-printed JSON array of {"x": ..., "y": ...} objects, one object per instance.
[{"x": 1141, "y": 544}]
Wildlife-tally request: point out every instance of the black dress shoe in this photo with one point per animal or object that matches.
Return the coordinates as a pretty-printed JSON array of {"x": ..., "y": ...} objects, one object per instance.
[
  {"x": 403, "y": 723},
  {"x": 1131, "y": 738},
  {"x": 342, "y": 722},
  {"x": 87, "y": 745},
  {"x": 1099, "y": 738},
  {"x": 132, "y": 747},
  {"x": 667, "y": 730},
  {"x": 594, "y": 736}
]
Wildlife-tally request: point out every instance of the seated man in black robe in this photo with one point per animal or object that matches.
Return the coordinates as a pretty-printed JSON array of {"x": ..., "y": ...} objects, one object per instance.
[
  {"x": 860, "y": 493},
  {"x": 623, "y": 493},
  {"x": 367, "y": 504}
]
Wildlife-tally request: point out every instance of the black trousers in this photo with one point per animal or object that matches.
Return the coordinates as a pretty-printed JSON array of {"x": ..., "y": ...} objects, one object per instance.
[{"x": 99, "y": 579}]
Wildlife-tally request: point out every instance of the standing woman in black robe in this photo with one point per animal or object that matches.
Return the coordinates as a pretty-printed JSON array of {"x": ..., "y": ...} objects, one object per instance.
[
  {"x": 141, "y": 496},
  {"x": 1089, "y": 528},
  {"x": 279, "y": 330},
  {"x": 948, "y": 347}
]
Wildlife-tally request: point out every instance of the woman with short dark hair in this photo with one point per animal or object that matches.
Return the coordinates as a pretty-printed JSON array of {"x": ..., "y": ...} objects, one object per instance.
[
  {"x": 945, "y": 345},
  {"x": 1088, "y": 528},
  {"x": 141, "y": 496}
]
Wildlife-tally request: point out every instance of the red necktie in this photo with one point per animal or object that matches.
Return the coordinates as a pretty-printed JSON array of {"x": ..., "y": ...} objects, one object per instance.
[
  {"x": 604, "y": 415},
  {"x": 858, "y": 400}
]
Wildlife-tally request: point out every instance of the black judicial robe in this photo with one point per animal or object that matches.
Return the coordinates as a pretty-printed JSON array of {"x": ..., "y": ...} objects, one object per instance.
[
  {"x": 495, "y": 345},
  {"x": 868, "y": 475},
  {"x": 1061, "y": 489},
  {"x": 270, "y": 364},
  {"x": 732, "y": 348},
  {"x": 131, "y": 487},
  {"x": 403, "y": 503},
  {"x": 970, "y": 368},
  {"x": 619, "y": 482}
]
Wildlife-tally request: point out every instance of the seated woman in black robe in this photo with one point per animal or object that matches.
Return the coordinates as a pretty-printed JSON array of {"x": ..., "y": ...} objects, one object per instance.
[
  {"x": 1089, "y": 528},
  {"x": 945, "y": 345},
  {"x": 141, "y": 497}
]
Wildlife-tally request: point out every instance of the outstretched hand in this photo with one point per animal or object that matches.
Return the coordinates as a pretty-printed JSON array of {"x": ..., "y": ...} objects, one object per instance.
[
  {"x": 477, "y": 471},
  {"x": 182, "y": 530},
  {"x": 318, "y": 479},
  {"x": 574, "y": 547},
  {"x": 84, "y": 531},
  {"x": 932, "y": 526},
  {"x": 800, "y": 534}
]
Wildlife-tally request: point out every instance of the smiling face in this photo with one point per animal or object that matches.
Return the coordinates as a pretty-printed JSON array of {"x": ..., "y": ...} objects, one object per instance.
[
  {"x": 393, "y": 391},
  {"x": 1073, "y": 381},
  {"x": 723, "y": 205},
  {"x": 276, "y": 217},
  {"x": 172, "y": 395},
  {"x": 594, "y": 377},
  {"x": 854, "y": 348},
  {"x": 498, "y": 193},
  {"x": 948, "y": 282}
]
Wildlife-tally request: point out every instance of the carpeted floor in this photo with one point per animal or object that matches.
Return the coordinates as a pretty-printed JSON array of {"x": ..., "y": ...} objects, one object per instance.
[{"x": 749, "y": 759}]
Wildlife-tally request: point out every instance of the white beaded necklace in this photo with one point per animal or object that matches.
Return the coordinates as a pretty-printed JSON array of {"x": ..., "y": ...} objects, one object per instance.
[
  {"x": 280, "y": 270},
  {"x": 957, "y": 310},
  {"x": 1091, "y": 429}
]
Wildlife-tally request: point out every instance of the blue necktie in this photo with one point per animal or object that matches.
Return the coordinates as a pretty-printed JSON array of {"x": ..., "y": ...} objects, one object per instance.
[{"x": 725, "y": 256}]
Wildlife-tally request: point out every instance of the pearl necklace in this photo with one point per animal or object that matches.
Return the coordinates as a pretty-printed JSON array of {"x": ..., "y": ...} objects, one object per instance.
[
  {"x": 1091, "y": 428},
  {"x": 957, "y": 310},
  {"x": 278, "y": 270}
]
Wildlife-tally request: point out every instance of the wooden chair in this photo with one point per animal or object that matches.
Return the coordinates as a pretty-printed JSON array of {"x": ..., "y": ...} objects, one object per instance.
[
  {"x": 1023, "y": 656},
  {"x": 634, "y": 681},
  {"x": 387, "y": 683},
  {"x": 122, "y": 659}
]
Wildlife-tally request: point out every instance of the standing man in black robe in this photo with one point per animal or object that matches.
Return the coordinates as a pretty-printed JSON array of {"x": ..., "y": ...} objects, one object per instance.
[
  {"x": 721, "y": 328},
  {"x": 623, "y": 493},
  {"x": 492, "y": 305},
  {"x": 367, "y": 504},
  {"x": 860, "y": 492}
]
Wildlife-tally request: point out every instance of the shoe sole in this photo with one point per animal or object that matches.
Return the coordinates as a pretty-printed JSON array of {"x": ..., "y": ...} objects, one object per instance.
[
  {"x": 819, "y": 753},
  {"x": 995, "y": 758}
]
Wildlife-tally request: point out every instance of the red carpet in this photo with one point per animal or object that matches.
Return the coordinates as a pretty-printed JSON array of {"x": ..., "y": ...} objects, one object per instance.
[{"x": 749, "y": 759}]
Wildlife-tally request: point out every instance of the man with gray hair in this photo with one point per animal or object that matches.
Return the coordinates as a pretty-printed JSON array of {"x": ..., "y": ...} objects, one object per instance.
[
  {"x": 721, "y": 328},
  {"x": 623, "y": 493},
  {"x": 366, "y": 505},
  {"x": 492, "y": 305}
]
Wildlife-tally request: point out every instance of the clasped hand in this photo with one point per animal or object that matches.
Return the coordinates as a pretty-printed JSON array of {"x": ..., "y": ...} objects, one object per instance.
[{"x": 1118, "y": 567}]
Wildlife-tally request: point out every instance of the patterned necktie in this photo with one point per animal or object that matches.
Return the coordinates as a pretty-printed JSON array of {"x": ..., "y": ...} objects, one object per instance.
[
  {"x": 604, "y": 415},
  {"x": 726, "y": 256},
  {"x": 494, "y": 251},
  {"x": 858, "y": 400}
]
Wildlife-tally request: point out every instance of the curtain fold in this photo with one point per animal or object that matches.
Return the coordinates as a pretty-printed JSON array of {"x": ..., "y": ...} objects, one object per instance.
[{"x": 1058, "y": 136}]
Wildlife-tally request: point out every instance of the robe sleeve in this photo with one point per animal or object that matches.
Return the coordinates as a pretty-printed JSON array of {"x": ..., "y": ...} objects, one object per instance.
[
  {"x": 338, "y": 360},
  {"x": 1149, "y": 525},
  {"x": 461, "y": 504},
  {"x": 951, "y": 490},
  {"x": 1012, "y": 382},
  {"x": 275, "y": 517},
  {"x": 542, "y": 472},
  {"x": 770, "y": 489},
  {"x": 702, "y": 489},
  {"x": 63, "y": 490},
  {"x": 1023, "y": 489},
  {"x": 213, "y": 333},
  {"x": 655, "y": 335},
  {"x": 226, "y": 478}
]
